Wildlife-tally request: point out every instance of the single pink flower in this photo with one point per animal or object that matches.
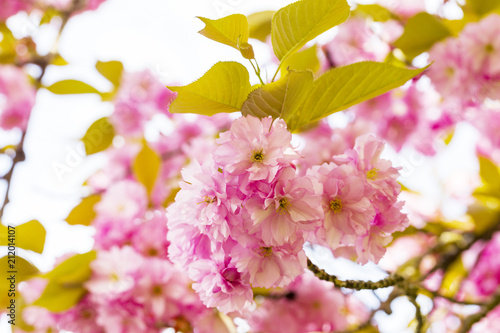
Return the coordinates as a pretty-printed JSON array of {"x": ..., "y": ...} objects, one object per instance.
[
  {"x": 290, "y": 208},
  {"x": 257, "y": 147},
  {"x": 348, "y": 210}
]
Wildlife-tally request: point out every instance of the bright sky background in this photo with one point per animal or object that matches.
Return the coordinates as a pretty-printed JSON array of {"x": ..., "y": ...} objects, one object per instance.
[{"x": 160, "y": 35}]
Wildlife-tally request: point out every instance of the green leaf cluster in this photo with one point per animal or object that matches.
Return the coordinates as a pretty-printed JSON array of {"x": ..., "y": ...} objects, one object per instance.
[
  {"x": 28, "y": 236},
  {"x": 65, "y": 287},
  {"x": 298, "y": 96},
  {"x": 146, "y": 167},
  {"x": 110, "y": 70}
]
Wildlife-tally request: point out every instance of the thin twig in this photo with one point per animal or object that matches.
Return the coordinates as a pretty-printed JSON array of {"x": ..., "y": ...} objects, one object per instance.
[{"x": 389, "y": 281}]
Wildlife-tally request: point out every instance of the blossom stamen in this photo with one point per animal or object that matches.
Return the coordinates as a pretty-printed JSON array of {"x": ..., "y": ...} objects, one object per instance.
[
  {"x": 208, "y": 200},
  {"x": 283, "y": 205},
  {"x": 257, "y": 156},
  {"x": 336, "y": 206},
  {"x": 266, "y": 252},
  {"x": 372, "y": 174}
]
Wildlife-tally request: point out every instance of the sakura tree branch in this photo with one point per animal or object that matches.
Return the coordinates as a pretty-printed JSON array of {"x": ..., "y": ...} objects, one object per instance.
[
  {"x": 42, "y": 62},
  {"x": 18, "y": 157},
  {"x": 469, "y": 321},
  {"x": 389, "y": 281},
  {"x": 418, "y": 314}
]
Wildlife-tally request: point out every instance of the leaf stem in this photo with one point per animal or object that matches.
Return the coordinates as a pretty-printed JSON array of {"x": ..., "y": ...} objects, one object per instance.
[
  {"x": 277, "y": 71},
  {"x": 257, "y": 70}
]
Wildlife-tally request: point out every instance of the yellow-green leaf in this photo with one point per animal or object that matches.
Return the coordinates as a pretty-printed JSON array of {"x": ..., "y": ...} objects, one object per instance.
[
  {"x": 72, "y": 87},
  {"x": 296, "y": 24},
  {"x": 343, "y": 87},
  {"x": 99, "y": 136},
  {"x": 231, "y": 30},
  {"x": 74, "y": 270},
  {"x": 58, "y": 60},
  {"x": 421, "y": 32},
  {"x": 260, "y": 24},
  {"x": 24, "y": 270},
  {"x": 146, "y": 167},
  {"x": 48, "y": 14},
  {"x": 482, "y": 7},
  {"x": 7, "y": 45},
  {"x": 281, "y": 98},
  {"x": 301, "y": 61},
  {"x": 490, "y": 175},
  {"x": 65, "y": 287},
  {"x": 483, "y": 217},
  {"x": 28, "y": 236},
  {"x": 453, "y": 278},
  {"x": 455, "y": 26},
  {"x": 111, "y": 70},
  {"x": 58, "y": 297},
  {"x": 376, "y": 12},
  {"x": 84, "y": 212},
  {"x": 223, "y": 88}
]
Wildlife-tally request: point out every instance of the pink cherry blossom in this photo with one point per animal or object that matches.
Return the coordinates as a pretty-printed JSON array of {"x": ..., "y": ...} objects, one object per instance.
[
  {"x": 404, "y": 9},
  {"x": 290, "y": 208},
  {"x": 269, "y": 266},
  {"x": 150, "y": 238},
  {"x": 123, "y": 200},
  {"x": 113, "y": 271},
  {"x": 484, "y": 277},
  {"x": 127, "y": 118},
  {"x": 449, "y": 71},
  {"x": 379, "y": 173},
  {"x": 161, "y": 288},
  {"x": 356, "y": 42},
  {"x": 204, "y": 199},
  {"x": 220, "y": 284},
  {"x": 481, "y": 44},
  {"x": 256, "y": 147},
  {"x": 12, "y": 7},
  {"x": 123, "y": 317},
  {"x": 307, "y": 305},
  {"x": 348, "y": 210},
  {"x": 17, "y": 97},
  {"x": 372, "y": 245},
  {"x": 81, "y": 318}
]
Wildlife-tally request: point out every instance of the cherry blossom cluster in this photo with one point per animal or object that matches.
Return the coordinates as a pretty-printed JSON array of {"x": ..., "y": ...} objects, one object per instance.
[
  {"x": 140, "y": 97},
  {"x": 134, "y": 287},
  {"x": 484, "y": 277},
  {"x": 307, "y": 305},
  {"x": 242, "y": 217},
  {"x": 408, "y": 116},
  {"x": 128, "y": 292},
  {"x": 471, "y": 72},
  {"x": 17, "y": 97}
]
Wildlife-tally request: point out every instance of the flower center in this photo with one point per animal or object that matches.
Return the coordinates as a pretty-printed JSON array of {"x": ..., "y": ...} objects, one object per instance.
[
  {"x": 336, "y": 205},
  {"x": 283, "y": 206},
  {"x": 266, "y": 252},
  {"x": 257, "y": 156},
  {"x": 489, "y": 48},
  {"x": 152, "y": 252},
  {"x": 230, "y": 274},
  {"x": 372, "y": 174},
  {"x": 208, "y": 200},
  {"x": 157, "y": 290}
]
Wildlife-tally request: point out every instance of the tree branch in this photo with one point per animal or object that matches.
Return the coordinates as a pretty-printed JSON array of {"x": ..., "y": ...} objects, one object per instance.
[
  {"x": 469, "y": 321},
  {"x": 389, "y": 281}
]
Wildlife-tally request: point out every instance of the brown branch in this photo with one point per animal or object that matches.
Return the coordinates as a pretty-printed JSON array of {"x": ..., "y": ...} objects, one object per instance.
[
  {"x": 391, "y": 280},
  {"x": 469, "y": 321},
  {"x": 42, "y": 62}
]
